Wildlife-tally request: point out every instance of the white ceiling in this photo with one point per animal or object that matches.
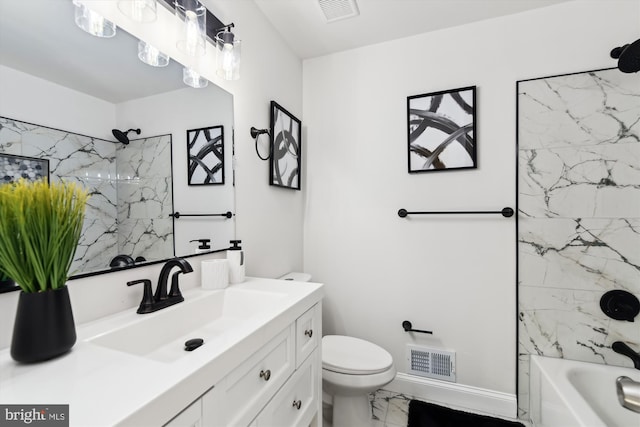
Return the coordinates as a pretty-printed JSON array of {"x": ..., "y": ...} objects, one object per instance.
[{"x": 303, "y": 26}]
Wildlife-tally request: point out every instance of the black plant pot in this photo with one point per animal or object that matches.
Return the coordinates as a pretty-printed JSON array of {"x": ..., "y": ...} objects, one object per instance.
[{"x": 44, "y": 326}]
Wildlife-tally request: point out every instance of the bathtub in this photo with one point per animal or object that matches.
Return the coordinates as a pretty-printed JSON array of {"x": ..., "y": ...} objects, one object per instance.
[{"x": 567, "y": 393}]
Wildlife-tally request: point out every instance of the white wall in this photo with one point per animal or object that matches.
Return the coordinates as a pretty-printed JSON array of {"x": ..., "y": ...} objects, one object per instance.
[
  {"x": 31, "y": 99},
  {"x": 452, "y": 275}
]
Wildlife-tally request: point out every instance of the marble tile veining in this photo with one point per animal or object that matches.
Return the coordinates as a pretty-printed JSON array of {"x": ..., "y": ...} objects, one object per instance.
[
  {"x": 130, "y": 188},
  {"x": 578, "y": 216}
]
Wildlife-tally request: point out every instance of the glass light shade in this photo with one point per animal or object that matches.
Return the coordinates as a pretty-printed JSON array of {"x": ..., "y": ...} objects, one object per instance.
[
  {"x": 227, "y": 56},
  {"x": 93, "y": 23},
  {"x": 193, "y": 40},
  {"x": 152, "y": 56},
  {"x": 139, "y": 10},
  {"x": 193, "y": 79}
]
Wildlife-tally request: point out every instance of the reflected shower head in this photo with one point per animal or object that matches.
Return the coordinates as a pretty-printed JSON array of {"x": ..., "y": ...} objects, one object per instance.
[
  {"x": 628, "y": 57},
  {"x": 122, "y": 136}
]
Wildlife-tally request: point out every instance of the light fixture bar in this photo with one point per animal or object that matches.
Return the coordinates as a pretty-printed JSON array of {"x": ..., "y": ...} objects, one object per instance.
[{"x": 213, "y": 23}]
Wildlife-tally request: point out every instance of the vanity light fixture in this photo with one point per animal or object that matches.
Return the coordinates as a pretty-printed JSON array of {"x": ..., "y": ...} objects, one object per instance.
[
  {"x": 193, "y": 40},
  {"x": 227, "y": 54},
  {"x": 139, "y": 10},
  {"x": 92, "y": 22},
  {"x": 151, "y": 55},
  {"x": 193, "y": 79}
]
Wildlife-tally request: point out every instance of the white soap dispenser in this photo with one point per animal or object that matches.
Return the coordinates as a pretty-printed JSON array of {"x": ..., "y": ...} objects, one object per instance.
[{"x": 235, "y": 257}]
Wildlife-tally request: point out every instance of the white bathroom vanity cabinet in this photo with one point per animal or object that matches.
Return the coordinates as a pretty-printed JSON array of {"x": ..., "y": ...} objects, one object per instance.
[{"x": 260, "y": 364}]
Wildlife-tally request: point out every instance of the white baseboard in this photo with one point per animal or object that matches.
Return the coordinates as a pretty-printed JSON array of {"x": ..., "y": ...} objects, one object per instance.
[{"x": 457, "y": 396}]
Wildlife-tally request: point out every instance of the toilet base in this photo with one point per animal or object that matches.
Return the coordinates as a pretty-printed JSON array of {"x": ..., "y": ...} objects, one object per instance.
[{"x": 351, "y": 411}]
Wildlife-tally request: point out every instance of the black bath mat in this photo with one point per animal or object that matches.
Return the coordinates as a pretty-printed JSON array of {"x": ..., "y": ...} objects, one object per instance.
[{"x": 422, "y": 414}]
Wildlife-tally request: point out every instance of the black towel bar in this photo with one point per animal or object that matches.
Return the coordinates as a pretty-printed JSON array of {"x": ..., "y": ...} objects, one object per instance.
[
  {"x": 177, "y": 215},
  {"x": 505, "y": 212}
]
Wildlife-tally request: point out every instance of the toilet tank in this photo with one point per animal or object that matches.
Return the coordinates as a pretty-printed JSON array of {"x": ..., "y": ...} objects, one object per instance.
[{"x": 298, "y": 277}]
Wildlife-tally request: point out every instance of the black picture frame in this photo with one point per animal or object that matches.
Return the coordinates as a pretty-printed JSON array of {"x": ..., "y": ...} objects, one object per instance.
[
  {"x": 14, "y": 167},
  {"x": 205, "y": 156},
  {"x": 286, "y": 148},
  {"x": 442, "y": 130}
]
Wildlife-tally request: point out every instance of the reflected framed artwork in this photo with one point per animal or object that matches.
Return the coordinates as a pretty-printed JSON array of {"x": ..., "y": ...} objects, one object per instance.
[
  {"x": 13, "y": 167},
  {"x": 442, "y": 130},
  {"x": 205, "y": 148},
  {"x": 286, "y": 145}
]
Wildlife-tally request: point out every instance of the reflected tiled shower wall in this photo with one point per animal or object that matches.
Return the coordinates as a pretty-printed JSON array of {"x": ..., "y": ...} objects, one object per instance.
[
  {"x": 145, "y": 198},
  {"x": 130, "y": 188},
  {"x": 579, "y": 215}
]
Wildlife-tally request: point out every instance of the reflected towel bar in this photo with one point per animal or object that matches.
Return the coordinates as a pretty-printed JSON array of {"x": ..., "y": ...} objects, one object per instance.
[
  {"x": 177, "y": 215},
  {"x": 505, "y": 212}
]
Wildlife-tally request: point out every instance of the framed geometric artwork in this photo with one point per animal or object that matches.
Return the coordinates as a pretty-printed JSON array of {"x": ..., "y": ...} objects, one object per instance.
[
  {"x": 442, "y": 130},
  {"x": 12, "y": 168},
  {"x": 286, "y": 146},
  {"x": 205, "y": 151}
]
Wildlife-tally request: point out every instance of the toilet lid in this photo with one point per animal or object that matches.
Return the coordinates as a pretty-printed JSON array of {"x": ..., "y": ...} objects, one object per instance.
[{"x": 349, "y": 355}]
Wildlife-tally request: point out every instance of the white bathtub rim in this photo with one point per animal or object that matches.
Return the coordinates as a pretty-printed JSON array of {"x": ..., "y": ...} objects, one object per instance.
[{"x": 557, "y": 372}]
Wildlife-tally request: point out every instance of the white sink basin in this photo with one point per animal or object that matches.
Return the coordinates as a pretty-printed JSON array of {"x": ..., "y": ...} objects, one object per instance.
[{"x": 161, "y": 335}]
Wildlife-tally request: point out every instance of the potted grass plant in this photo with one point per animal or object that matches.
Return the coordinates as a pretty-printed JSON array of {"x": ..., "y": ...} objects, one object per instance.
[{"x": 39, "y": 231}]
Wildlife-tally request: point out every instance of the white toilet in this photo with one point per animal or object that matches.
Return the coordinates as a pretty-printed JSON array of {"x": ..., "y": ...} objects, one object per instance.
[{"x": 351, "y": 369}]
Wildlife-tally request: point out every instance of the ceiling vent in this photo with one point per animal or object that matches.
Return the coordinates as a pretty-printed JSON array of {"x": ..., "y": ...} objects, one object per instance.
[{"x": 335, "y": 10}]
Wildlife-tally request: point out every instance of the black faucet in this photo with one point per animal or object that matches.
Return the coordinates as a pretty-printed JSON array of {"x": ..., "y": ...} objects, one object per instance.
[
  {"x": 121, "y": 261},
  {"x": 161, "y": 299},
  {"x": 625, "y": 350}
]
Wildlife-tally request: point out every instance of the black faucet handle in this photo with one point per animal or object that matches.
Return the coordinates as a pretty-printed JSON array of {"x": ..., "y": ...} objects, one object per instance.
[
  {"x": 175, "y": 293},
  {"x": 622, "y": 348},
  {"x": 146, "y": 305}
]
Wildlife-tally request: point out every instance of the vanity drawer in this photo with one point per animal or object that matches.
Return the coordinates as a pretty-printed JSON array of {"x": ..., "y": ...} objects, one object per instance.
[
  {"x": 296, "y": 403},
  {"x": 307, "y": 333},
  {"x": 249, "y": 387}
]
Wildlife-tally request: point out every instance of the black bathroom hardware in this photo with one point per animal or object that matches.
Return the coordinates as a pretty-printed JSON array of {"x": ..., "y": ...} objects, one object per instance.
[
  {"x": 163, "y": 297},
  {"x": 408, "y": 327},
  {"x": 123, "y": 137},
  {"x": 623, "y": 349},
  {"x": 193, "y": 343},
  {"x": 205, "y": 244},
  {"x": 121, "y": 261},
  {"x": 620, "y": 305},
  {"x": 505, "y": 212},
  {"x": 255, "y": 134},
  {"x": 177, "y": 215}
]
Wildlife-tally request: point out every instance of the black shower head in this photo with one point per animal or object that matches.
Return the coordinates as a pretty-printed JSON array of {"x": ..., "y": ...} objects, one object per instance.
[
  {"x": 628, "y": 57},
  {"x": 122, "y": 136}
]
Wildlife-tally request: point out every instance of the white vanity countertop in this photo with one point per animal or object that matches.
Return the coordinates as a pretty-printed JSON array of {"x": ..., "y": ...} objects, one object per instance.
[{"x": 106, "y": 387}]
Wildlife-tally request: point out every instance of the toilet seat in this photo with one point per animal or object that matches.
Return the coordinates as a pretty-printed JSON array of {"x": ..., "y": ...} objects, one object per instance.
[{"x": 354, "y": 356}]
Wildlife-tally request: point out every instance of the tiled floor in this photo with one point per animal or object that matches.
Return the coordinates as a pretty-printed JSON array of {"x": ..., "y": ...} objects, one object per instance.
[
  {"x": 392, "y": 409},
  {"x": 389, "y": 409}
]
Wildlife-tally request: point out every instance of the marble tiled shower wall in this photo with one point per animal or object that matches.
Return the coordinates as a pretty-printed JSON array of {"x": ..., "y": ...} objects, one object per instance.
[
  {"x": 145, "y": 198},
  {"x": 579, "y": 215},
  {"x": 130, "y": 192}
]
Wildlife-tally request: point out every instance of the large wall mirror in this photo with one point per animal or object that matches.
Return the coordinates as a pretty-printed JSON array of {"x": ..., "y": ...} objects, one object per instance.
[{"x": 136, "y": 188}]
